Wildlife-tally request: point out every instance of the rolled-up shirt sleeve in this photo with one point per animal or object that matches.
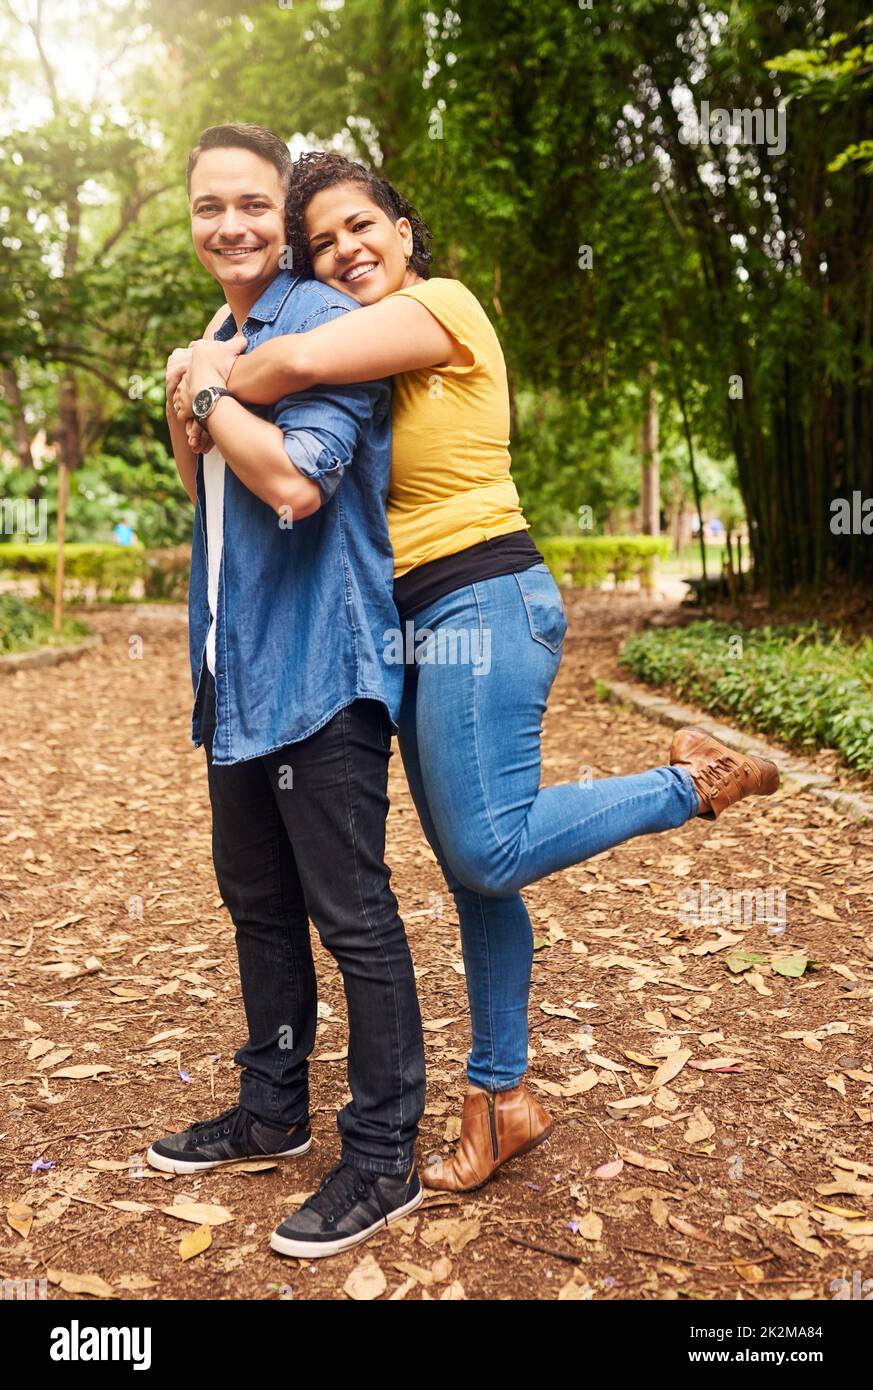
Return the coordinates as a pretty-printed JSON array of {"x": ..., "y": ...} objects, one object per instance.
[
  {"x": 322, "y": 428},
  {"x": 322, "y": 462}
]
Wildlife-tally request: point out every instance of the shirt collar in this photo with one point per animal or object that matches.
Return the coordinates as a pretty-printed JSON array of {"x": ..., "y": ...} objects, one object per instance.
[{"x": 265, "y": 310}]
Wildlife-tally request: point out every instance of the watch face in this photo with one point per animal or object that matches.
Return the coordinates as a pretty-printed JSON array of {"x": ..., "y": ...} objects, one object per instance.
[{"x": 202, "y": 402}]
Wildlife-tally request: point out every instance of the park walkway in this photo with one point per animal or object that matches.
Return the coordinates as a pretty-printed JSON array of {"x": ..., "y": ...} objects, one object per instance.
[{"x": 731, "y": 1114}]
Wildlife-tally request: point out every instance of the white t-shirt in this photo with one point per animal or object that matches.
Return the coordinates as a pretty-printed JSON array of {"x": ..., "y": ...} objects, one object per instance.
[{"x": 213, "y": 482}]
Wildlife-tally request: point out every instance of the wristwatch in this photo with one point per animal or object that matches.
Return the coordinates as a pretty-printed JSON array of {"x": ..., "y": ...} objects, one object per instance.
[{"x": 205, "y": 401}]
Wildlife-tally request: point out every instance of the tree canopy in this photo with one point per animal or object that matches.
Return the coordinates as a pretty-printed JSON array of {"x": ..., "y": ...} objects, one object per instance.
[{"x": 667, "y": 194}]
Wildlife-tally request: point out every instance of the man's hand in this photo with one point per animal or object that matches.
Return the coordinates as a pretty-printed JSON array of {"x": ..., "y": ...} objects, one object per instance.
[{"x": 199, "y": 440}]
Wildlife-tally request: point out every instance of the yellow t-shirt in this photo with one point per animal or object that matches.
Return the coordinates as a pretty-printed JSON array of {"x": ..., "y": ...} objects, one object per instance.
[{"x": 450, "y": 481}]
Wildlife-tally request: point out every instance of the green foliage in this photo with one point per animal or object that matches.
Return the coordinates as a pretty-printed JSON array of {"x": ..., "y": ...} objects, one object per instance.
[
  {"x": 804, "y": 684},
  {"x": 167, "y": 573},
  {"x": 527, "y": 134},
  {"x": 586, "y": 561},
  {"x": 24, "y": 626},
  {"x": 101, "y": 571}
]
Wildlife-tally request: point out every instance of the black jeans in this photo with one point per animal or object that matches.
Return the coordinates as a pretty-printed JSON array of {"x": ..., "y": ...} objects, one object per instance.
[{"x": 296, "y": 834}]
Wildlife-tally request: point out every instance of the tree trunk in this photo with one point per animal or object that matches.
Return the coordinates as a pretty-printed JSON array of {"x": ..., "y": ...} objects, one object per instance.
[
  {"x": 21, "y": 432},
  {"x": 650, "y": 491}
]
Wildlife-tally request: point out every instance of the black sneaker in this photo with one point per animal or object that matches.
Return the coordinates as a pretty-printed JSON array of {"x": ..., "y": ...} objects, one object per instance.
[
  {"x": 350, "y": 1205},
  {"x": 235, "y": 1135}
]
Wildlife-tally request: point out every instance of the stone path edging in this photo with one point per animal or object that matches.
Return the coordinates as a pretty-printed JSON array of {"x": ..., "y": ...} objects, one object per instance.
[
  {"x": 661, "y": 708},
  {"x": 47, "y": 656}
]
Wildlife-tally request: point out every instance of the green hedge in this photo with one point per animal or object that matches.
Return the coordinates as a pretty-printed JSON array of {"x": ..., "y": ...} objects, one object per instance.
[
  {"x": 808, "y": 686},
  {"x": 107, "y": 570},
  {"x": 24, "y": 626},
  {"x": 110, "y": 570},
  {"x": 587, "y": 561}
]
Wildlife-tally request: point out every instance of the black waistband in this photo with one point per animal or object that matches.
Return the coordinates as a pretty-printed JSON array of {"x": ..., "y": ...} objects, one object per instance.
[{"x": 487, "y": 560}]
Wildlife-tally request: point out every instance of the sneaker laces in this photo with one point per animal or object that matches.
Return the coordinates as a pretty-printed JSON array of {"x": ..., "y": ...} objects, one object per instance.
[
  {"x": 340, "y": 1189},
  {"x": 234, "y": 1123}
]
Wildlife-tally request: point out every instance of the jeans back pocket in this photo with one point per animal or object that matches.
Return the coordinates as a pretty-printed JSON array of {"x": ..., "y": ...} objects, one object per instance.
[{"x": 544, "y": 606}]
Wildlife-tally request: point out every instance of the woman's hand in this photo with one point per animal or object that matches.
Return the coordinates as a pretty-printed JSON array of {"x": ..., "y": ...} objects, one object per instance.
[
  {"x": 208, "y": 364},
  {"x": 211, "y": 362},
  {"x": 178, "y": 363},
  {"x": 203, "y": 363}
]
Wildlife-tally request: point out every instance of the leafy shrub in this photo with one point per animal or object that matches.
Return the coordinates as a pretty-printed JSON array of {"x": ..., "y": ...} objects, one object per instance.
[
  {"x": 805, "y": 684},
  {"x": 587, "y": 561},
  {"x": 24, "y": 626},
  {"x": 106, "y": 571},
  {"x": 167, "y": 572}
]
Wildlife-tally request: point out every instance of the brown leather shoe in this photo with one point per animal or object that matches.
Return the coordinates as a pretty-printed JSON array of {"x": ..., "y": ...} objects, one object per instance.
[
  {"x": 495, "y": 1126},
  {"x": 721, "y": 776}
]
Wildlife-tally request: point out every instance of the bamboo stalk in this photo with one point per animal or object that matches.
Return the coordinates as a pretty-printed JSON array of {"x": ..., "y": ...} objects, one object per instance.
[{"x": 59, "y": 558}]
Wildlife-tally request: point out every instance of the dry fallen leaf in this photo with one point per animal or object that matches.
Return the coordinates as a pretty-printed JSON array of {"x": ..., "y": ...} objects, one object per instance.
[
  {"x": 80, "y": 1283},
  {"x": 717, "y": 1063},
  {"x": 590, "y": 1226},
  {"x": 453, "y": 1293},
  {"x": 654, "y": 1165},
  {"x": 555, "y": 1011},
  {"x": 80, "y": 1073},
  {"x": 20, "y": 1218},
  {"x": 135, "y": 1283},
  {"x": 609, "y": 1170},
  {"x": 452, "y": 1130},
  {"x": 417, "y": 1273},
  {"x": 596, "y": 1060},
  {"x": 618, "y": 1108},
  {"x": 195, "y": 1242},
  {"x": 458, "y": 1233},
  {"x": 685, "y": 1228},
  {"x": 366, "y": 1281},
  {"x": 575, "y": 1291},
  {"x": 700, "y": 1129},
  {"x": 658, "y": 1212},
  {"x": 576, "y": 1086},
  {"x": 670, "y": 1068},
  {"x": 201, "y": 1213},
  {"x": 640, "y": 1058},
  {"x": 59, "y": 1054}
]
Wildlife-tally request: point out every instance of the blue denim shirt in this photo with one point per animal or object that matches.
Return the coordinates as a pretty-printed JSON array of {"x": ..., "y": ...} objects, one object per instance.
[{"x": 302, "y": 610}]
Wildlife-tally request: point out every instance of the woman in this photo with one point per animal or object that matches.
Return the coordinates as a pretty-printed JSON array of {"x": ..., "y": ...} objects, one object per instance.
[{"x": 485, "y": 616}]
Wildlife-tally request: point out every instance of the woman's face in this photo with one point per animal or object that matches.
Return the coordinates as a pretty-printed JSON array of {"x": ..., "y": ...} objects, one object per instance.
[{"x": 354, "y": 245}]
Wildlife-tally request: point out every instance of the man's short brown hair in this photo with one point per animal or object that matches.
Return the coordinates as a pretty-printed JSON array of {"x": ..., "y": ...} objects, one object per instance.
[{"x": 256, "y": 138}]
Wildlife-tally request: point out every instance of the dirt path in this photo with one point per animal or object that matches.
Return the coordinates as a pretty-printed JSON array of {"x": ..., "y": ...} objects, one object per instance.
[{"x": 750, "y": 1173}]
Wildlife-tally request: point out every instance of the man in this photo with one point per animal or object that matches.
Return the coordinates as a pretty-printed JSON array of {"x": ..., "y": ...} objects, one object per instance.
[{"x": 291, "y": 583}]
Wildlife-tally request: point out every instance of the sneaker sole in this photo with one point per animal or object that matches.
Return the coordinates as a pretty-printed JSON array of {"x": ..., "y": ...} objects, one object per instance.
[
  {"x": 314, "y": 1250},
  {"x": 184, "y": 1165}
]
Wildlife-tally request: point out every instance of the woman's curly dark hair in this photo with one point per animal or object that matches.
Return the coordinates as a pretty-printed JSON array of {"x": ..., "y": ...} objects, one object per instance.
[{"x": 320, "y": 169}]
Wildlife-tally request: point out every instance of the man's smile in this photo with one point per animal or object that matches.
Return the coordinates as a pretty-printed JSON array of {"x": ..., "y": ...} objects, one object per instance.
[{"x": 234, "y": 251}]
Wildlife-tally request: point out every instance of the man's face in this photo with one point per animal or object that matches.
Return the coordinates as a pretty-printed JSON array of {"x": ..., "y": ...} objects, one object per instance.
[{"x": 237, "y": 217}]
